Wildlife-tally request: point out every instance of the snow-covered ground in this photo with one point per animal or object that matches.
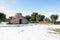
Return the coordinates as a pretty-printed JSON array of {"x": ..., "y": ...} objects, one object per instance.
[{"x": 28, "y": 32}]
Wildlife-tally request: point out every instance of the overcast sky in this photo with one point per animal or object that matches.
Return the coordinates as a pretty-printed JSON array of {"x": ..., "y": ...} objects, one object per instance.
[{"x": 26, "y": 7}]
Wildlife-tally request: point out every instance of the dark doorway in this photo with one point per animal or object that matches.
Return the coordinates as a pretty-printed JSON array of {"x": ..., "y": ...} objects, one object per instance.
[{"x": 20, "y": 21}]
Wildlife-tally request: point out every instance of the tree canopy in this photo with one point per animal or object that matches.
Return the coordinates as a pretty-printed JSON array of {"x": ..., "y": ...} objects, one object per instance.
[
  {"x": 33, "y": 16},
  {"x": 28, "y": 17},
  {"x": 2, "y": 16},
  {"x": 40, "y": 17},
  {"x": 54, "y": 18}
]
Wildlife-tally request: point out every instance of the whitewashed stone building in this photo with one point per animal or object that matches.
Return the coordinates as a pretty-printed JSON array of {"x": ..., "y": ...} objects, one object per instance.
[{"x": 18, "y": 19}]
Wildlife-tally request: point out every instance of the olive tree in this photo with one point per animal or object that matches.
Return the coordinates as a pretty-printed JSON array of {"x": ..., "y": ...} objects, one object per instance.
[
  {"x": 2, "y": 17},
  {"x": 33, "y": 16},
  {"x": 40, "y": 17},
  {"x": 28, "y": 17},
  {"x": 54, "y": 18}
]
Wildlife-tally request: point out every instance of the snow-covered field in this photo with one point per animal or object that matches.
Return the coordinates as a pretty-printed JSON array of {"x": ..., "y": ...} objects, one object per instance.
[{"x": 28, "y": 32}]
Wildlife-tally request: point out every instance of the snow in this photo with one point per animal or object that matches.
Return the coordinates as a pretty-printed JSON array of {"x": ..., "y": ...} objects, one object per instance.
[{"x": 28, "y": 32}]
